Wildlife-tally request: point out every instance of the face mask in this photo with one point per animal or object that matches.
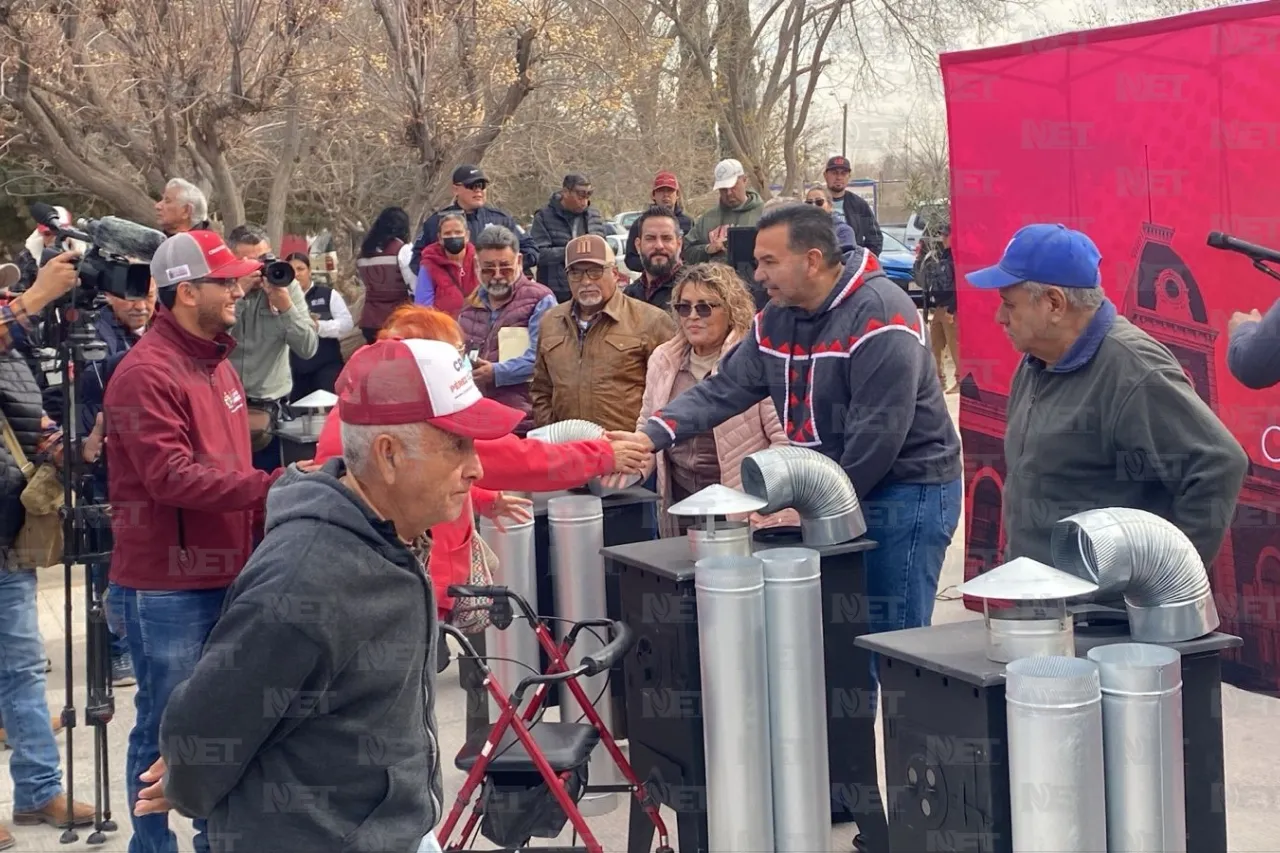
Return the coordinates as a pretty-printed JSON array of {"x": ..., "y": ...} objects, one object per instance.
[{"x": 454, "y": 245}]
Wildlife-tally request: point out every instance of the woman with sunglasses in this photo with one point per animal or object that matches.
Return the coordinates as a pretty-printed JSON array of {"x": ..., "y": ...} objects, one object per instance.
[
  {"x": 846, "y": 239},
  {"x": 713, "y": 311}
]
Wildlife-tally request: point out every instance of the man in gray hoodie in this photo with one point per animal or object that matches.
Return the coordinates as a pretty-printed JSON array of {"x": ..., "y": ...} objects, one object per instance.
[{"x": 308, "y": 723}]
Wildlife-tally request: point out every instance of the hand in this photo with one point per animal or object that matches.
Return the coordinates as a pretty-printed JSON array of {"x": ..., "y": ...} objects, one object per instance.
[
  {"x": 278, "y": 298},
  {"x": 630, "y": 454},
  {"x": 151, "y": 798},
  {"x": 482, "y": 373},
  {"x": 91, "y": 447},
  {"x": 715, "y": 240},
  {"x": 1240, "y": 318},
  {"x": 315, "y": 321},
  {"x": 54, "y": 279},
  {"x": 516, "y": 509}
]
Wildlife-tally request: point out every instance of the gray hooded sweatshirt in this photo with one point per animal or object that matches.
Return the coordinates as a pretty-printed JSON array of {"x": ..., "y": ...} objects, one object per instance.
[{"x": 309, "y": 722}]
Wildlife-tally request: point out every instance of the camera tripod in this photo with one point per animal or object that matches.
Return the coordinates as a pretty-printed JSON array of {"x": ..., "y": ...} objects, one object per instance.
[{"x": 86, "y": 540}]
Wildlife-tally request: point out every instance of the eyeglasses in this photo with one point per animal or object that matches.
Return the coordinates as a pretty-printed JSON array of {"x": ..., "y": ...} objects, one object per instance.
[
  {"x": 593, "y": 273},
  {"x": 582, "y": 193},
  {"x": 505, "y": 269},
  {"x": 703, "y": 309},
  {"x": 477, "y": 185},
  {"x": 819, "y": 202}
]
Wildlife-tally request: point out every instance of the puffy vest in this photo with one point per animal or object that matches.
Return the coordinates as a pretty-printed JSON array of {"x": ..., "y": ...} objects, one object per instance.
[
  {"x": 480, "y": 331},
  {"x": 20, "y": 401},
  {"x": 329, "y": 350},
  {"x": 384, "y": 286}
]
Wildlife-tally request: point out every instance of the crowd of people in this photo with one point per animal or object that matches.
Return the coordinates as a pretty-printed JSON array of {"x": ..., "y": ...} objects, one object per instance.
[{"x": 474, "y": 334}]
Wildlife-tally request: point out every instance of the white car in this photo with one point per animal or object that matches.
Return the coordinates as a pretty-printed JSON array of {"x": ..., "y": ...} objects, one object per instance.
[
  {"x": 619, "y": 245},
  {"x": 623, "y": 221}
]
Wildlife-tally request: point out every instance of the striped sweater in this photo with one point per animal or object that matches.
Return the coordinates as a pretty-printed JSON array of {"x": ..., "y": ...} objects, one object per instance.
[{"x": 853, "y": 380}]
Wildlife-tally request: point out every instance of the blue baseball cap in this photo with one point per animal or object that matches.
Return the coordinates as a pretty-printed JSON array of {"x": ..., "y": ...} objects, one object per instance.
[{"x": 1048, "y": 254}]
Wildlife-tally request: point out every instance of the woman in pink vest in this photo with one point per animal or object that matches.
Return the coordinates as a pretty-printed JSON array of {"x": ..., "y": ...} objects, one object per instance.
[
  {"x": 383, "y": 269},
  {"x": 447, "y": 274}
]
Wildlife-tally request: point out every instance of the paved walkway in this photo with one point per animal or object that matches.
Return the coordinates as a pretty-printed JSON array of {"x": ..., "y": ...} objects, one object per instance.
[{"x": 1252, "y": 725}]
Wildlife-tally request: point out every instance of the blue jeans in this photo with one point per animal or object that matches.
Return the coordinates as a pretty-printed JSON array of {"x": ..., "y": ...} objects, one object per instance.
[
  {"x": 35, "y": 765},
  {"x": 166, "y": 632},
  {"x": 912, "y": 525},
  {"x": 119, "y": 648}
]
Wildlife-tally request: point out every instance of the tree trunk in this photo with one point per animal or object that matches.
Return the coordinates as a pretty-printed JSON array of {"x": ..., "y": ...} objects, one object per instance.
[
  {"x": 226, "y": 191},
  {"x": 291, "y": 152}
]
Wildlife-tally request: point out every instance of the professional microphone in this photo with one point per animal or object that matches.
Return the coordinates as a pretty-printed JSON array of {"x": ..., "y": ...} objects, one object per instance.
[
  {"x": 9, "y": 275},
  {"x": 47, "y": 215},
  {"x": 1226, "y": 242},
  {"x": 122, "y": 237}
]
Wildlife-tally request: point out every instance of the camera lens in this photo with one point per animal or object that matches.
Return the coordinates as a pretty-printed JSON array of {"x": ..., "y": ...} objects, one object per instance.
[{"x": 278, "y": 273}]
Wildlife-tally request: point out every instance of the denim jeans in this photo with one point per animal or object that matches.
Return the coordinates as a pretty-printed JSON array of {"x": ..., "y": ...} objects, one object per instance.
[
  {"x": 35, "y": 765},
  {"x": 166, "y": 632},
  {"x": 119, "y": 648},
  {"x": 912, "y": 525}
]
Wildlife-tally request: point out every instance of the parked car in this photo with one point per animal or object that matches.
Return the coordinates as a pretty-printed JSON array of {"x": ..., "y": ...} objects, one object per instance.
[
  {"x": 927, "y": 215},
  {"x": 624, "y": 220},
  {"x": 618, "y": 242},
  {"x": 898, "y": 263}
]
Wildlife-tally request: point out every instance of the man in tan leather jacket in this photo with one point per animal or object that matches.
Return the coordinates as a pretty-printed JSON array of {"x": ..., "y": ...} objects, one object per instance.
[{"x": 593, "y": 351}]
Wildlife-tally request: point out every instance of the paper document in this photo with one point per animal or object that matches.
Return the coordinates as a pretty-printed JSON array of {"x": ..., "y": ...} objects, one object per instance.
[{"x": 512, "y": 342}]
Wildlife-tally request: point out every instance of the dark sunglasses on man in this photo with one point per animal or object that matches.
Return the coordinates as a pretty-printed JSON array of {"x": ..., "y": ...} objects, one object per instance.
[
  {"x": 703, "y": 309},
  {"x": 477, "y": 185}
]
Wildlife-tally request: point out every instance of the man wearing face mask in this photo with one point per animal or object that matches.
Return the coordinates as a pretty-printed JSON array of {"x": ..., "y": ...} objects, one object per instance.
[
  {"x": 568, "y": 214},
  {"x": 593, "y": 352},
  {"x": 505, "y": 313}
]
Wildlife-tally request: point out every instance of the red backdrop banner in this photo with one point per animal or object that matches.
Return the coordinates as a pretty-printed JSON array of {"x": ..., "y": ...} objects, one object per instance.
[{"x": 1146, "y": 137}]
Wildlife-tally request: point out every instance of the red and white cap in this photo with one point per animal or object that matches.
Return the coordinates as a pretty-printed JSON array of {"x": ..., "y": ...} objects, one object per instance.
[
  {"x": 393, "y": 382},
  {"x": 194, "y": 255}
]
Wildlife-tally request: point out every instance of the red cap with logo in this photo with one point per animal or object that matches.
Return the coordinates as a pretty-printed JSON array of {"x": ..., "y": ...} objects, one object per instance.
[
  {"x": 195, "y": 255},
  {"x": 393, "y": 382},
  {"x": 666, "y": 181}
]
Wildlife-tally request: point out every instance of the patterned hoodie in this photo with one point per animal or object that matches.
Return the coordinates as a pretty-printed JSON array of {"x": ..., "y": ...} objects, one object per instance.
[{"x": 853, "y": 379}]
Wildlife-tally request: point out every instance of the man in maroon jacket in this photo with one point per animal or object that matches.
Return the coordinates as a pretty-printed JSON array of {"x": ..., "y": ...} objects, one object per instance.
[{"x": 183, "y": 489}]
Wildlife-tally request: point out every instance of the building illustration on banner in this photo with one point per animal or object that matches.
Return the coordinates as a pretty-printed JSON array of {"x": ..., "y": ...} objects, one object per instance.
[{"x": 1161, "y": 297}]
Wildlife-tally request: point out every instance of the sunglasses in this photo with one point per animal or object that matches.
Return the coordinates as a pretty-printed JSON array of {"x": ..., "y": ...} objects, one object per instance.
[
  {"x": 583, "y": 194},
  {"x": 703, "y": 309},
  {"x": 819, "y": 202},
  {"x": 477, "y": 185}
]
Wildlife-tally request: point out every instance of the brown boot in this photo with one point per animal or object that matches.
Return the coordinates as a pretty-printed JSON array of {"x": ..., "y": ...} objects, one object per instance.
[
  {"x": 6, "y": 838},
  {"x": 55, "y": 814}
]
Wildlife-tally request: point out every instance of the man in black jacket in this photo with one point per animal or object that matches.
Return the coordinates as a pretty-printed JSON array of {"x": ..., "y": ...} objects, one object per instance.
[
  {"x": 935, "y": 272},
  {"x": 666, "y": 193},
  {"x": 470, "y": 187},
  {"x": 329, "y": 741},
  {"x": 568, "y": 214},
  {"x": 852, "y": 208}
]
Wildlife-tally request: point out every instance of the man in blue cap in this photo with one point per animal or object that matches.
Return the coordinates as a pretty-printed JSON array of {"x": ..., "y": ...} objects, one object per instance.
[{"x": 1100, "y": 413}]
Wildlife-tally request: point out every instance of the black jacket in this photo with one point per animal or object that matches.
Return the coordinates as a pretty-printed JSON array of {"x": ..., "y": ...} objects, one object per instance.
[
  {"x": 553, "y": 228},
  {"x": 309, "y": 722},
  {"x": 935, "y": 272},
  {"x": 633, "y": 254},
  {"x": 477, "y": 221},
  {"x": 20, "y": 403},
  {"x": 862, "y": 219}
]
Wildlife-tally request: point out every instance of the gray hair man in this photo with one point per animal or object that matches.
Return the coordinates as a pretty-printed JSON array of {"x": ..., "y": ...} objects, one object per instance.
[
  {"x": 500, "y": 322},
  {"x": 345, "y": 700},
  {"x": 1100, "y": 414},
  {"x": 182, "y": 207}
]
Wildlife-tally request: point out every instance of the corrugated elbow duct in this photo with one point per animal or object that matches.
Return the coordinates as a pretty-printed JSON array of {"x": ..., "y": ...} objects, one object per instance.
[
  {"x": 1148, "y": 560},
  {"x": 813, "y": 485},
  {"x": 576, "y": 429}
]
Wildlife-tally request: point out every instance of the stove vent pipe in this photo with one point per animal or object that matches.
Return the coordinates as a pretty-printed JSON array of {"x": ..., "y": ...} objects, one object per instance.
[
  {"x": 811, "y": 483},
  {"x": 1148, "y": 560}
]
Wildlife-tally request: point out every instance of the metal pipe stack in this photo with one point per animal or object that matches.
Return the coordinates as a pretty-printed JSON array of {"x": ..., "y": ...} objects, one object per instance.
[
  {"x": 735, "y": 714},
  {"x": 1056, "y": 777},
  {"x": 1142, "y": 737},
  {"x": 517, "y": 571},
  {"x": 797, "y": 699},
  {"x": 577, "y": 574}
]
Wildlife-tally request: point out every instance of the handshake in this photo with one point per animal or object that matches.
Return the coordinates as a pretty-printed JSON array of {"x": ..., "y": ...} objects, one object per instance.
[{"x": 632, "y": 455}]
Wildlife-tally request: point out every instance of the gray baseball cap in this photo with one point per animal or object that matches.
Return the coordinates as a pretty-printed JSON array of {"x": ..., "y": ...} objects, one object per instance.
[{"x": 193, "y": 255}]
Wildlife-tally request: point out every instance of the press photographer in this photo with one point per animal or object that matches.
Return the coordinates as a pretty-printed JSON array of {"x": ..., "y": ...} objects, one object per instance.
[
  {"x": 271, "y": 321},
  {"x": 1253, "y": 354}
]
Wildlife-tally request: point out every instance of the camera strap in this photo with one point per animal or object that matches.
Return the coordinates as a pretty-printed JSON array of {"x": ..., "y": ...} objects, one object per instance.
[{"x": 15, "y": 449}]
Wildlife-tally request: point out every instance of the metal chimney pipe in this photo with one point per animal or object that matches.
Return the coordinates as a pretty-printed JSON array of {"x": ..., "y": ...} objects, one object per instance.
[
  {"x": 797, "y": 699},
  {"x": 577, "y": 574},
  {"x": 1142, "y": 736},
  {"x": 517, "y": 571},
  {"x": 735, "y": 705},
  {"x": 1056, "y": 778}
]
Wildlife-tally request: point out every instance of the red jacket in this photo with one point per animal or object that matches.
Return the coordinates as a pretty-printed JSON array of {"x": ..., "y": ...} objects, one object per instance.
[
  {"x": 452, "y": 282},
  {"x": 184, "y": 493},
  {"x": 512, "y": 463}
]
